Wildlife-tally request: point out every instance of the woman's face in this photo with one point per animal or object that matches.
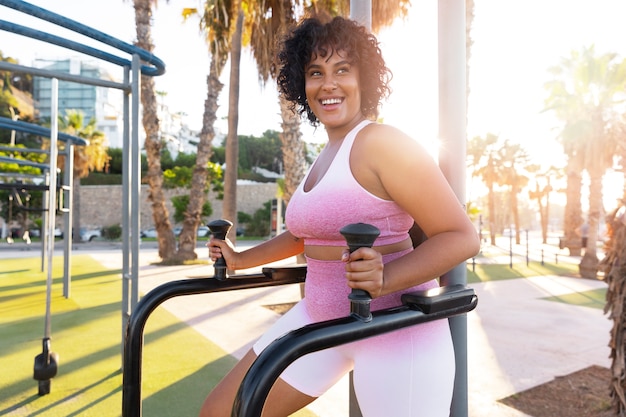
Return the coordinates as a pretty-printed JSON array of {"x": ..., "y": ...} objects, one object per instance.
[{"x": 333, "y": 91}]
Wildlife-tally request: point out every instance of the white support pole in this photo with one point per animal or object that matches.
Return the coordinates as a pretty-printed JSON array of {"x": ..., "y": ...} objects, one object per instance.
[
  {"x": 52, "y": 194},
  {"x": 135, "y": 183},
  {"x": 452, "y": 153},
  {"x": 361, "y": 11}
]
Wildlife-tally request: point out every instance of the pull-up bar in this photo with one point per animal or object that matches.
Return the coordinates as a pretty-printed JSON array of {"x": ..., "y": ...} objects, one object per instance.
[
  {"x": 157, "y": 68},
  {"x": 40, "y": 131}
]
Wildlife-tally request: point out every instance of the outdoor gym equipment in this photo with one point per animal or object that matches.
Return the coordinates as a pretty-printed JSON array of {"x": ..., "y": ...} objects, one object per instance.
[
  {"x": 417, "y": 307},
  {"x": 220, "y": 229},
  {"x": 46, "y": 363},
  {"x": 360, "y": 235}
]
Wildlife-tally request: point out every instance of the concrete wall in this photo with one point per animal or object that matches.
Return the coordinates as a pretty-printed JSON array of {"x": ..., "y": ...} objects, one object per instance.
[{"x": 101, "y": 205}]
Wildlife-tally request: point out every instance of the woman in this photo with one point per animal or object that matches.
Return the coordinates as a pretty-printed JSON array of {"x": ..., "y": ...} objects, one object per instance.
[{"x": 371, "y": 173}]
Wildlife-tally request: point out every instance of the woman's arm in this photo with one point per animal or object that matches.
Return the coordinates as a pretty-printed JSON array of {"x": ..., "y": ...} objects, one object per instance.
[
  {"x": 403, "y": 171},
  {"x": 280, "y": 247}
]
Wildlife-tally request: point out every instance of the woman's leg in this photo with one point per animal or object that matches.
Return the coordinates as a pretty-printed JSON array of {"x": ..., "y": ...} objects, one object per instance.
[
  {"x": 406, "y": 374},
  {"x": 282, "y": 400}
]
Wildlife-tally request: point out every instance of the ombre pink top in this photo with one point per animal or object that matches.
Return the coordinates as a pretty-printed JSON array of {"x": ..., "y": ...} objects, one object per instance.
[{"x": 338, "y": 200}]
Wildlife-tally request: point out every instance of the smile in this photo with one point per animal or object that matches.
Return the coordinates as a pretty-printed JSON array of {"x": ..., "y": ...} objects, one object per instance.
[{"x": 328, "y": 101}]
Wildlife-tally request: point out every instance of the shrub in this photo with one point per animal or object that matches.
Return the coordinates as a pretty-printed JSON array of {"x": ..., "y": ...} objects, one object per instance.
[{"x": 112, "y": 232}]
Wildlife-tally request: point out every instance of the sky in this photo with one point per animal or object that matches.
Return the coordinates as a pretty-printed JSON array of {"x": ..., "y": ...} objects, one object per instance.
[{"x": 514, "y": 44}]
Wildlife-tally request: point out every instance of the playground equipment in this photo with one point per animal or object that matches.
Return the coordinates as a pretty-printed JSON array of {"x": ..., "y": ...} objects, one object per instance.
[
  {"x": 418, "y": 307},
  {"x": 46, "y": 363}
]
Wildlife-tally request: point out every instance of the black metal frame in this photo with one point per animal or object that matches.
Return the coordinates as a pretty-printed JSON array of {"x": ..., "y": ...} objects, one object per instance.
[
  {"x": 133, "y": 343},
  {"x": 418, "y": 307}
]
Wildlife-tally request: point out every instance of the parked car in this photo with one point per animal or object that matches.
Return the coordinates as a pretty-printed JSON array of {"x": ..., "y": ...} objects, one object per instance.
[
  {"x": 87, "y": 235},
  {"x": 203, "y": 231},
  {"x": 151, "y": 232}
]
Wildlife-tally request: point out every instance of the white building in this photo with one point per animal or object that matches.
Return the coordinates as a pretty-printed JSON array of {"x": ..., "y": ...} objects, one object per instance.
[{"x": 105, "y": 105}]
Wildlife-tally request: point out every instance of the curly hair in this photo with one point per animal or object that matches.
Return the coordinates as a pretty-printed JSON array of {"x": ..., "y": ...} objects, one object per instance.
[{"x": 312, "y": 37}]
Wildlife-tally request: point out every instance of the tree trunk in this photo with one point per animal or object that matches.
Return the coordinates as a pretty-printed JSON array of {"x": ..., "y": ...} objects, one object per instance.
[
  {"x": 614, "y": 266},
  {"x": 293, "y": 149},
  {"x": 188, "y": 236},
  {"x": 491, "y": 206},
  {"x": 515, "y": 210},
  {"x": 232, "y": 143},
  {"x": 573, "y": 218},
  {"x": 589, "y": 263},
  {"x": 150, "y": 120}
]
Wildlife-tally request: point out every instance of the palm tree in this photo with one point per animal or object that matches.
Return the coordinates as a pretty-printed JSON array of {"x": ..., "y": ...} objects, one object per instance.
[
  {"x": 92, "y": 157},
  {"x": 512, "y": 158},
  {"x": 615, "y": 276},
  {"x": 153, "y": 144},
  {"x": 541, "y": 194},
  {"x": 483, "y": 159},
  {"x": 232, "y": 142},
  {"x": 586, "y": 94},
  {"x": 216, "y": 25}
]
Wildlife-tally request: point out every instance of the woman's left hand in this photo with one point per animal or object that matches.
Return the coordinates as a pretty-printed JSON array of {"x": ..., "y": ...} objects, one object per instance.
[{"x": 364, "y": 270}]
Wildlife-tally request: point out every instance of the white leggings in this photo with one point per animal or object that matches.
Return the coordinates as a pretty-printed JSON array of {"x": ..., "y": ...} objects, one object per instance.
[{"x": 406, "y": 373}]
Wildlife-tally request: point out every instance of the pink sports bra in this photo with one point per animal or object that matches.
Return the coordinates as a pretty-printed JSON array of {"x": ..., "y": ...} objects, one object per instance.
[{"x": 338, "y": 200}]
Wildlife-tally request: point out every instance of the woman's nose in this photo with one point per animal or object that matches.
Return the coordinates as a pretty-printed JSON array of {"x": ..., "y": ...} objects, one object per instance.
[{"x": 329, "y": 83}]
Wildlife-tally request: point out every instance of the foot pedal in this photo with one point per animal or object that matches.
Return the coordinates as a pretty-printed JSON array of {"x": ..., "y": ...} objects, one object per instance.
[
  {"x": 439, "y": 299},
  {"x": 291, "y": 273}
]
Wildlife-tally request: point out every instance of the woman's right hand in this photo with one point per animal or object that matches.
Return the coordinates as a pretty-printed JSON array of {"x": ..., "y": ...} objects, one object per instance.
[{"x": 219, "y": 248}]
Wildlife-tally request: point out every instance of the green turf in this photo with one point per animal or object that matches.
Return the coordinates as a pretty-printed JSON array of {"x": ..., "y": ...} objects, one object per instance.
[
  {"x": 592, "y": 298},
  {"x": 179, "y": 365},
  {"x": 495, "y": 272}
]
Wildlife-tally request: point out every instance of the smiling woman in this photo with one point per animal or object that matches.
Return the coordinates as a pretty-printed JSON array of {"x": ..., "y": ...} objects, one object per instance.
[{"x": 333, "y": 72}]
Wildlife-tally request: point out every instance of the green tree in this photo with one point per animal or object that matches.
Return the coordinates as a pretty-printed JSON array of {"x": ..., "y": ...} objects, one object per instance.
[
  {"x": 541, "y": 194},
  {"x": 16, "y": 101},
  {"x": 512, "y": 162},
  {"x": 482, "y": 160},
  {"x": 181, "y": 204},
  {"x": 586, "y": 93},
  {"x": 92, "y": 157},
  {"x": 216, "y": 26},
  {"x": 17, "y": 204}
]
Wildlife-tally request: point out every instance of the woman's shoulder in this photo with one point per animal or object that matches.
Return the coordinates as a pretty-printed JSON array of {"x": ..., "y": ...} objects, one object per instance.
[{"x": 383, "y": 136}]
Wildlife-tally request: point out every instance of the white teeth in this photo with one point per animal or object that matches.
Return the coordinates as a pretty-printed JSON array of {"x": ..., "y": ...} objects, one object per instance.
[{"x": 331, "y": 101}]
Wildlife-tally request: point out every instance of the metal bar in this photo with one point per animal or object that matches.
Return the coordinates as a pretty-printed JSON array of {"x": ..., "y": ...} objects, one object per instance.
[
  {"x": 38, "y": 72},
  {"x": 24, "y": 162},
  {"x": 133, "y": 343},
  {"x": 452, "y": 135},
  {"x": 68, "y": 202},
  {"x": 39, "y": 130},
  {"x": 360, "y": 11},
  {"x": 158, "y": 67},
  {"x": 282, "y": 352},
  {"x": 135, "y": 182},
  {"x": 51, "y": 199},
  {"x": 44, "y": 222},
  {"x": 22, "y": 150},
  {"x": 125, "y": 211}
]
